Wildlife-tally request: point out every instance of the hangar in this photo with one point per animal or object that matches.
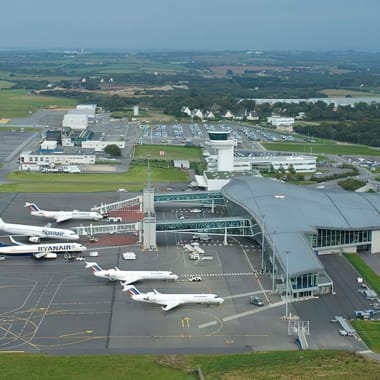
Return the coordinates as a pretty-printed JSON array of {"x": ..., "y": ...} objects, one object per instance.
[{"x": 294, "y": 225}]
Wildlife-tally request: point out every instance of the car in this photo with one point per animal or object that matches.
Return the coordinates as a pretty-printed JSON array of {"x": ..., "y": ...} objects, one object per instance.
[
  {"x": 256, "y": 301},
  {"x": 129, "y": 256},
  {"x": 195, "y": 278},
  {"x": 343, "y": 332},
  {"x": 2, "y": 258},
  {"x": 80, "y": 258},
  {"x": 94, "y": 254}
]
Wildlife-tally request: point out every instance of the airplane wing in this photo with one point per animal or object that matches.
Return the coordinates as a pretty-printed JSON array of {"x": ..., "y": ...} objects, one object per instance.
[
  {"x": 45, "y": 254},
  {"x": 62, "y": 218},
  {"x": 172, "y": 305},
  {"x": 130, "y": 278}
]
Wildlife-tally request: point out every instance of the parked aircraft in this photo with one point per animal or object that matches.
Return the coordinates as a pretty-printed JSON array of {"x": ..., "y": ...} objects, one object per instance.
[
  {"x": 48, "y": 251},
  {"x": 35, "y": 233},
  {"x": 129, "y": 277},
  {"x": 170, "y": 301},
  {"x": 61, "y": 216}
]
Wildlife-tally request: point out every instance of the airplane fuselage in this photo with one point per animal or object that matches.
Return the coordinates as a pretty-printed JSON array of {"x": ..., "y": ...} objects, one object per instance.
[
  {"x": 119, "y": 275},
  {"x": 68, "y": 215},
  {"x": 40, "y": 232},
  {"x": 33, "y": 249},
  {"x": 164, "y": 299}
]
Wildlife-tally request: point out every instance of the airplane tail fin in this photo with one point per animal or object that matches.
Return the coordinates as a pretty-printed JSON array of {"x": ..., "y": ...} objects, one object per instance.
[
  {"x": 132, "y": 290},
  {"x": 95, "y": 267},
  {"x": 14, "y": 241},
  {"x": 31, "y": 206}
]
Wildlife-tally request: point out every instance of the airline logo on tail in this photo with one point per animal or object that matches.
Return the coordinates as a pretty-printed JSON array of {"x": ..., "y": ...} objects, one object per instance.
[
  {"x": 132, "y": 291},
  {"x": 94, "y": 267},
  {"x": 32, "y": 207}
]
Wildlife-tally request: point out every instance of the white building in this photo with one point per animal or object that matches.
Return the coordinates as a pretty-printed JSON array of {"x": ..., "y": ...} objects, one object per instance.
[
  {"x": 279, "y": 120},
  {"x": 99, "y": 145},
  {"x": 49, "y": 145},
  {"x": 75, "y": 119},
  {"x": 223, "y": 165},
  {"x": 228, "y": 115},
  {"x": 80, "y": 117},
  {"x": 35, "y": 161},
  {"x": 225, "y": 149}
]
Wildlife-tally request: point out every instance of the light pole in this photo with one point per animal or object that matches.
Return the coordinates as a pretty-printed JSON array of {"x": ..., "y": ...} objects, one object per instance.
[
  {"x": 262, "y": 244},
  {"x": 148, "y": 157},
  {"x": 287, "y": 283},
  {"x": 273, "y": 259}
]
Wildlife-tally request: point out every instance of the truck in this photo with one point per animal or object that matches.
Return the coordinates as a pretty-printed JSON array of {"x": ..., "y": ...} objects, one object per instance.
[
  {"x": 129, "y": 256},
  {"x": 201, "y": 236},
  {"x": 70, "y": 169},
  {"x": 194, "y": 256}
]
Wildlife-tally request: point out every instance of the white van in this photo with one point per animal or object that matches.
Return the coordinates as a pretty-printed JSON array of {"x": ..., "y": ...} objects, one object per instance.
[{"x": 129, "y": 256}]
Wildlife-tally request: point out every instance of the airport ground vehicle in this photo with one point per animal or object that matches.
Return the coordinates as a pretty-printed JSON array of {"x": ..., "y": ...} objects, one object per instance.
[
  {"x": 195, "y": 278},
  {"x": 201, "y": 237},
  {"x": 129, "y": 256},
  {"x": 256, "y": 301}
]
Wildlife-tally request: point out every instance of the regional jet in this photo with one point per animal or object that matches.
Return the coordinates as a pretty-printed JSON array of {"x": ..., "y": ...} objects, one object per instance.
[
  {"x": 35, "y": 233},
  {"x": 48, "y": 251},
  {"x": 129, "y": 277},
  {"x": 61, "y": 216},
  {"x": 170, "y": 301}
]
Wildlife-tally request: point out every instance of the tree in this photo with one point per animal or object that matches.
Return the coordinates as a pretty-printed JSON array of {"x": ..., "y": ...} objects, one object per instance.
[{"x": 113, "y": 150}]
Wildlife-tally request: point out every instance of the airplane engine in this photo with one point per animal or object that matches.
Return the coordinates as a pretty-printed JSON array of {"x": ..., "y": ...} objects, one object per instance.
[{"x": 34, "y": 239}]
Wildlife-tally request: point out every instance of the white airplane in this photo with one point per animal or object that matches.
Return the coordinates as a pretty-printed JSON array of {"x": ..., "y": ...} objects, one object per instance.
[
  {"x": 61, "y": 216},
  {"x": 170, "y": 301},
  {"x": 48, "y": 251},
  {"x": 35, "y": 233},
  {"x": 129, "y": 277}
]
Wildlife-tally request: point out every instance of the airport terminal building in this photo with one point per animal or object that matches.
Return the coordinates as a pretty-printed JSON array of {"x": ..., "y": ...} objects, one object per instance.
[{"x": 295, "y": 225}]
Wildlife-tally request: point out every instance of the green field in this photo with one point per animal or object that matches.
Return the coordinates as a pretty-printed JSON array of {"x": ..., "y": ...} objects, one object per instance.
[
  {"x": 328, "y": 148},
  {"x": 5, "y": 84},
  {"x": 369, "y": 331},
  {"x": 134, "y": 180},
  {"x": 333, "y": 92},
  {"x": 325, "y": 364},
  {"x": 171, "y": 152},
  {"x": 20, "y": 103}
]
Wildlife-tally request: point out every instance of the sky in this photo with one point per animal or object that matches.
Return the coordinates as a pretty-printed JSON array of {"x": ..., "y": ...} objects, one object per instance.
[{"x": 193, "y": 24}]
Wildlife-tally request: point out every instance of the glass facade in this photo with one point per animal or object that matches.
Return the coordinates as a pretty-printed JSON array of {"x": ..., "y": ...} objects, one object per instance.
[
  {"x": 333, "y": 238},
  {"x": 305, "y": 284}
]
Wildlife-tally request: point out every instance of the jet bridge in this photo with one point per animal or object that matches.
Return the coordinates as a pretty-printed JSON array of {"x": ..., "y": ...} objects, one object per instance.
[
  {"x": 92, "y": 230},
  {"x": 105, "y": 208},
  {"x": 194, "y": 197},
  {"x": 232, "y": 226}
]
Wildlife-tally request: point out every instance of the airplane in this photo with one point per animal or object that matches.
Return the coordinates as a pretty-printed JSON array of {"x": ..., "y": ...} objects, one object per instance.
[
  {"x": 61, "y": 216},
  {"x": 129, "y": 277},
  {"x": 48, "y": 251},
  {"x": 35, "y": 233},
  {"x": 170, "y": 301}
]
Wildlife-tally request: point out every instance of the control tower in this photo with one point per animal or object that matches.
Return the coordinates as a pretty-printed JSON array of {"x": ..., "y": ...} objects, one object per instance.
[{"x": 225, "y": 148}]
